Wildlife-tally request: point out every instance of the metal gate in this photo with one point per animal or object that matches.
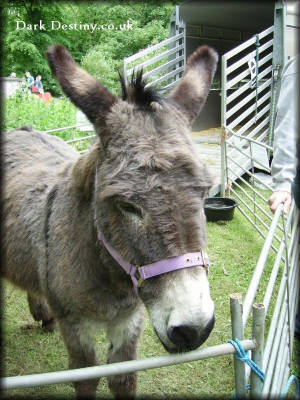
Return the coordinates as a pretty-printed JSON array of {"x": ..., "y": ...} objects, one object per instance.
[
  {"x": 162, "y": 64},
  {"x": 250, "y": 77},
  {"x": 247, "y": 76}
]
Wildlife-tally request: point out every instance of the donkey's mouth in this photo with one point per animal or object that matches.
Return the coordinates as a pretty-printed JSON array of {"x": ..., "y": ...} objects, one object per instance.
[{"x": 184, "y": 338}]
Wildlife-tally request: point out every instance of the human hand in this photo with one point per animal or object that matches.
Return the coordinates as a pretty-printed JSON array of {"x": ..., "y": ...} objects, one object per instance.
[{"x": 278, "y": 197}]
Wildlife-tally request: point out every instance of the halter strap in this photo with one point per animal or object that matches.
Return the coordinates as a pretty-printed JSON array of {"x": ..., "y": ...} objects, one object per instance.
[{"x": 139, "y": 273}]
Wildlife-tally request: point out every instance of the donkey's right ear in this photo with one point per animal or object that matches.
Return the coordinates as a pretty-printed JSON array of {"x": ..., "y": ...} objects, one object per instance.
[
  {"x": 192, "y": 90},
  {"x": 83, "y": 90}
]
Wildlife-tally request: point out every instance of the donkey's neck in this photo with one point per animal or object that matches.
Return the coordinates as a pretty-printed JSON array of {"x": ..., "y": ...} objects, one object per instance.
[
  {"x": 100, "y": 263},
  {"x": 83, "y": 172}
]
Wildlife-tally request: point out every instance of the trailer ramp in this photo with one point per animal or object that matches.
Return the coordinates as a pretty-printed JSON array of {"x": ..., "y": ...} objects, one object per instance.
[{"x": 246, "y": 106}]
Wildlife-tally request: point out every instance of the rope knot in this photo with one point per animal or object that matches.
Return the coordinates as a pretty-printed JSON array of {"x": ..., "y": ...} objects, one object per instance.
[{"x": 242, "y": 355}]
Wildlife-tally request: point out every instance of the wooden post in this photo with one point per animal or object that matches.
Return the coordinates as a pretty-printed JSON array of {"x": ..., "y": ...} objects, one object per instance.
[
  {"x": 258, "y": 330},
  {"x": 236, "y": 311}
]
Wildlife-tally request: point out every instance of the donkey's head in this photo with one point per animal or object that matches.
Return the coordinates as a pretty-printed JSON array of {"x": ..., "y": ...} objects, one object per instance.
[{"x": 150, "y": 186}]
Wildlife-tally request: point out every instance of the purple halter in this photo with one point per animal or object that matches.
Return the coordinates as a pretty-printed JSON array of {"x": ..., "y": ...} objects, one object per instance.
[{"x": 139, "y": 273}]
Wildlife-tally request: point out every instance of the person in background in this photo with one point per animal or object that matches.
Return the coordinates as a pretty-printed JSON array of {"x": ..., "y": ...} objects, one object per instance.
[
  {"x": 30, "y": 80},
  {"x": 285, "y": 169},
  {"x": 38, "y": 84},
  {"x": 286, "y": 132}
]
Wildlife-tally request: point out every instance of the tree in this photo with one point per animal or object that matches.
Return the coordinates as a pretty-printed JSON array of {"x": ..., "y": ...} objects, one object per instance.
[
  {"x": 150, "y": 25},
  {"x": 24, "y": 49},
  {"x": 101, "y": 52}
]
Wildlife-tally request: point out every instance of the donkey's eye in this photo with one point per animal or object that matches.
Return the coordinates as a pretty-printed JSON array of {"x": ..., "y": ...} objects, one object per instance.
[{"x": 130, "y": 209}]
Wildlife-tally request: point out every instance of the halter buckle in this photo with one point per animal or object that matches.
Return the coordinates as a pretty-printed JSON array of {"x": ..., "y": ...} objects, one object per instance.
[
  {"x": 140, "y": 281},
  {"x": 205, "y": 265},
  {"x": 137, "y": 276}
]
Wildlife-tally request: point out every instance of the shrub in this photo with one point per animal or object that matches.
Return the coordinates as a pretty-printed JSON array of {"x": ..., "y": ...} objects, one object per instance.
[{"x": 28, "y": 109}]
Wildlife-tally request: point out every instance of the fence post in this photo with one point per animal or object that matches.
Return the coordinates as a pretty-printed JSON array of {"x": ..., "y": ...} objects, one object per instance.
[
  {"x": 236, "y": 311},
  {"x": 223, "y": 121},
  {"x": 125, "y": 77},
  {"x": 258, "y": 329}
]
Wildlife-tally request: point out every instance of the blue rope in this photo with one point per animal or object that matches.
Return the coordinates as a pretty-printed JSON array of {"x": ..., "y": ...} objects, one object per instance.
[
  {"x": 247, "y": 387},
  {"x": 242, "y": 355},
  {"x": 292, "y": 379}
]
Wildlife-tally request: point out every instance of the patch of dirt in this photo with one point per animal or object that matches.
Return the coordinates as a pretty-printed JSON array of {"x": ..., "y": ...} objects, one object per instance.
[{"x": 211, "y": 136}]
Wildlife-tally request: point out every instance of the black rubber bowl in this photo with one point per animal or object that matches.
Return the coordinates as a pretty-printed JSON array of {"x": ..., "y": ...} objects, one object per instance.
[{"x": 219, "y": 208}]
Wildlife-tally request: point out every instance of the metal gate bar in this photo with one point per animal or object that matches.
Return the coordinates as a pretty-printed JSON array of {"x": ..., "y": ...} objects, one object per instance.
[
  {"x": 281, "y": 328},
  {"x": 275, "y": 269},
  {"x": 119, "y": 368},
  {"x": 245, "y": 87},
  {"x": 250, "y": 112},
  {"x": 168, "y": 54},
  {"x": 248, "y": 43},
  {"x": 247, "y": 118},
  {"x": 252, "y": 289},
  {"x": 277, "y": 317}
]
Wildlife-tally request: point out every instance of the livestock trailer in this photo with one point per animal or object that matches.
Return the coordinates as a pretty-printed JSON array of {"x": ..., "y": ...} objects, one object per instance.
[
  {"x": 226, "y": 25},
  {"x": 222, "y": 25},
  {"x": 253, "y": 40}
]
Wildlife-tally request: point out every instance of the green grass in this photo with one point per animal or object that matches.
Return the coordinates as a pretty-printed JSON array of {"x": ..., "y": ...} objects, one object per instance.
[
  {"x": 233, "y": 248},
  {"x": 28, "y": 350}
]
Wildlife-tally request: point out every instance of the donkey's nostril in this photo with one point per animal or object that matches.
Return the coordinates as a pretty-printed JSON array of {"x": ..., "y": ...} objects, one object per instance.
[
  {"x": 189, "y": 337},
  {"x": 183, "y": 336}
]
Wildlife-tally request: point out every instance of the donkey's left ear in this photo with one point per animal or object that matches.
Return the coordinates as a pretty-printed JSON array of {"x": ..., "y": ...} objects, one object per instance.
[
  {"x": 83, "y": 90},
  {"x": 191, "y": 92}
]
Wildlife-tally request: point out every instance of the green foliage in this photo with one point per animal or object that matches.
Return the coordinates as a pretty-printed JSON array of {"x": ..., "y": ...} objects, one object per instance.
[
  {"x": 104, "y": 60},
  {"x": 101, "y": 52},
  {"x": 102, "y": 68},
  {"x": 25, "y": 49},
  {"x": 28, "y": 109}
]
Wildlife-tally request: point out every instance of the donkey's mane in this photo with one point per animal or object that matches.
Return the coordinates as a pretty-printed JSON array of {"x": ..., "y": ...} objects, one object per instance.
[{"x": 136, "y": 91}]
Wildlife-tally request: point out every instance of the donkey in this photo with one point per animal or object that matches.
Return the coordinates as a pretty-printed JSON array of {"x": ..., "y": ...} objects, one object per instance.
[{"x": 93, "y": 237}]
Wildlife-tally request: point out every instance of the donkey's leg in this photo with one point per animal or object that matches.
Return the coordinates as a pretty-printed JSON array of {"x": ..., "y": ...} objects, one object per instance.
[
  {"x": 41, "y": 312},
  {"x": 123, "y": 335},
  {"x": 81, "y": 352}
]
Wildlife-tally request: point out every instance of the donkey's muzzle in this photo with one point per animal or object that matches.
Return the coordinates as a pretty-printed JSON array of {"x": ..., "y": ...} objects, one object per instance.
[{"x": 189, "y": 337}]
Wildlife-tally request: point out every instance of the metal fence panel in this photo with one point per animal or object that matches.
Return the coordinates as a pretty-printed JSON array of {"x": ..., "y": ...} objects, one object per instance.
[
  {"x": 162, "y": 63},
  {"x": 248, "y": 98}
]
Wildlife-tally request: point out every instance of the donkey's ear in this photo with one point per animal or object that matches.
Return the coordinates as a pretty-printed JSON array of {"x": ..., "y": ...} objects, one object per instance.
[
  {"x": 191, "y": 92},
  {"x": 83, "y": 90}
]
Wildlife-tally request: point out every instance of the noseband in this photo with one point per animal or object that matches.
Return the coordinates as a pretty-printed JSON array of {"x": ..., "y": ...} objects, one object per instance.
[{"x": 139, "y": 273}]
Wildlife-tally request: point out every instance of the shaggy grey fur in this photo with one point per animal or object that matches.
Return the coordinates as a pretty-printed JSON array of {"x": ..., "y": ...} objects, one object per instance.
[{"x": 148, "y": 204}]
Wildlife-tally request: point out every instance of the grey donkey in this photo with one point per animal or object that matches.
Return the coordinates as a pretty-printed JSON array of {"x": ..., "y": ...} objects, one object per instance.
[{"x": 141, "y": 186}]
